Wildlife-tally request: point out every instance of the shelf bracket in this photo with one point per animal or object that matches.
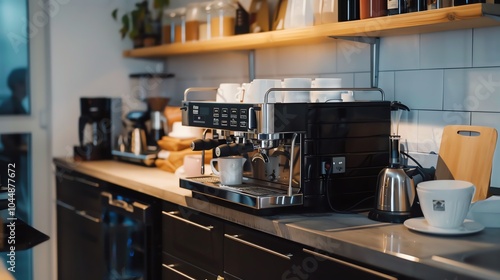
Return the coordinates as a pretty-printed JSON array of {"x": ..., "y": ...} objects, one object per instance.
[
  {"x": 251, "y": 65},
  {"x": 374, "y": 54}
]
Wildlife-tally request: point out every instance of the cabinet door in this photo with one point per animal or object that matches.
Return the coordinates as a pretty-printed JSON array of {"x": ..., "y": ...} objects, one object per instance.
[
  {"x": 250, "y": 254},
  {"x": 318, "y": 266},
  {"x": 193, "y": 237},
  {"x": 79, "y": 246}
]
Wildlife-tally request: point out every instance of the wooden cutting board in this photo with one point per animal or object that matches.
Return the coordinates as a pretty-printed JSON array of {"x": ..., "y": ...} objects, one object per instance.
[{"x": 466, "y": 153}]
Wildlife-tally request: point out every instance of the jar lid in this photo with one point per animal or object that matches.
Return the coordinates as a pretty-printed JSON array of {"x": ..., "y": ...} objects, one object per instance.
[
  {"x": 152, "y": 75},
  {"x": 221, "y": 4}
]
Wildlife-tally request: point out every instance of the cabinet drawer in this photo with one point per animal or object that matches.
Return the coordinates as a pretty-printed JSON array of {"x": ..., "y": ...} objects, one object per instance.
[
  {"x": 176, "y": 269},
  {"x": 80, "y": 191},
  {"x": 250, "y": 254},
  {"x": 193, "y": 237},
  {"x": 321, "y": 266}
]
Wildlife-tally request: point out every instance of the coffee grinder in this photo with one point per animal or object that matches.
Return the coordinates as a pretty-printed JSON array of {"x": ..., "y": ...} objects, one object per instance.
[
  {"x": 395, "y": 190},
  {"x": 99, "y": 125},
  {"x": 157, "y": 121}
]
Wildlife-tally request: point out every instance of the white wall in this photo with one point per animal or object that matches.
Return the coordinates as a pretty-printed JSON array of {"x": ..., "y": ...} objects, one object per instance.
[{"x": 87, "y": 61}]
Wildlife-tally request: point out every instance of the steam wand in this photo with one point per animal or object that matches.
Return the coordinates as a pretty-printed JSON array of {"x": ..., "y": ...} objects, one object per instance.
[{"x": 290, "y": 189}]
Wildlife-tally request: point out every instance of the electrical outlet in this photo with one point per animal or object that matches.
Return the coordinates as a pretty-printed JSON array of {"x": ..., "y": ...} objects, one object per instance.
[{"x": 338, "y": 165}]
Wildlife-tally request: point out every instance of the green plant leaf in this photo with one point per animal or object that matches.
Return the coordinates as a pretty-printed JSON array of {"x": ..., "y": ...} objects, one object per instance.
[
  {"x": 114, "y": 13},
  {"x": 125, "y": 26}
]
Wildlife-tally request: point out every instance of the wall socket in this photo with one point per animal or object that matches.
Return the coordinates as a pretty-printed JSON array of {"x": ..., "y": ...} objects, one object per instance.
[{"x": 338, "y": 165}]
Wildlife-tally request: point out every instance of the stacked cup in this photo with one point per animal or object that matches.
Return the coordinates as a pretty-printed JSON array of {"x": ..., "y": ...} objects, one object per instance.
[{"x": 326, "y": 96}]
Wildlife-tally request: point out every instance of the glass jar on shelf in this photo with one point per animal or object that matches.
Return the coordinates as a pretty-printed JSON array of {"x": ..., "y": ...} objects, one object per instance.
[
  {"x": 221, "y": 15},
  {"x": 196, "y": 19},
  {"x": 173, "y": 26}
]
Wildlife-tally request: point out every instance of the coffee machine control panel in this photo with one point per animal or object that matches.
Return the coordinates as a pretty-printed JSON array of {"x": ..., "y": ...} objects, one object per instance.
[{"x": 226, "y": 116}]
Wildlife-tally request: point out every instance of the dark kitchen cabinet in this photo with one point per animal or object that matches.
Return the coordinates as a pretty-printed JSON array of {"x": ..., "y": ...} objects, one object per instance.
[
  {"x": 192, "y": 243},
  {"x": 105, "y": 231},
  {"x": 79, "y": 239},
  {"x": 250, "y": 254}
]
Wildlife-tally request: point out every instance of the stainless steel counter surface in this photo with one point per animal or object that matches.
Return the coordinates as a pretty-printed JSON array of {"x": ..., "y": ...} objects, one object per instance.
[{"x": 353, "y": 236}]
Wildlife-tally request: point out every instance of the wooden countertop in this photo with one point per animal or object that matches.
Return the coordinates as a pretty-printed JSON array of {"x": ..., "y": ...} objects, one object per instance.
[{"x": 354, "y": 236}]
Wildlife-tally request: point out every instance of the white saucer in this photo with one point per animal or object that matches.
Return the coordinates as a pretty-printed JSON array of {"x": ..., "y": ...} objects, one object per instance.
[{"x": 421, "y": 225}]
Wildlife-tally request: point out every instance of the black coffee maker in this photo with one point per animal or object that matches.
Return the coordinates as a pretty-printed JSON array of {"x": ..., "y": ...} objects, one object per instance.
[{"x": 99, "y": 125}]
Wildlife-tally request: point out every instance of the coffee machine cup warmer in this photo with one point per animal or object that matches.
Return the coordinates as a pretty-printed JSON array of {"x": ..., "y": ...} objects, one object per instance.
[
  {"x": 308, "y": 156},
  {"x": 99, "y": 125}
]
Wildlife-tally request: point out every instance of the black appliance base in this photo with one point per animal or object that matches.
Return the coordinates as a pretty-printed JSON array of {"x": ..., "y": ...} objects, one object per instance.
[{"x": 389, "y": 217}]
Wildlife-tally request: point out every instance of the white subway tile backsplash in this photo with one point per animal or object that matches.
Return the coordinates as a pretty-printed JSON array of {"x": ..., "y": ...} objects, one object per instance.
[
  {"x": 399, "y": 53},
  {"x": 352, "y": 56},
  {"x": 485, "y": 48},
  {"x": 430, "y": 128},
  {"x": 491, "y": 120},
  {"x": 446, "y": 49},
  {"x": 386, "y": 83},
  {"x": 408, "y": 130},
  {"x": 229, "y": 65},
  {"x": 475, "y": 89},
  {"x": 420, "y": 89},
  {"x": 285, "y": 61}
]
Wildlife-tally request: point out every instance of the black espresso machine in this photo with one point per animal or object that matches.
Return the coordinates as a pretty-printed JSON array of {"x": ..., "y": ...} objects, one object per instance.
[{"x": 316, "y": 156}]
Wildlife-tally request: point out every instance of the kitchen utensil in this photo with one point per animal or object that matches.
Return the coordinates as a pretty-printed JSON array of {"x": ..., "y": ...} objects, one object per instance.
[
  {"x": 395, "y": 193},
  {"x": 421, "y": 225},
  {"x": 466, "y": 153},
  {"x": 230, "y": 169},
  {"x": 445, "y": 203},
  {"x": 137, "y": 141},
  {"x": 158, "y": 123},
  {"x": 326, "y": 96},
  {"x": 228, "y": 93},
  {"x": 297, "y": 96}
]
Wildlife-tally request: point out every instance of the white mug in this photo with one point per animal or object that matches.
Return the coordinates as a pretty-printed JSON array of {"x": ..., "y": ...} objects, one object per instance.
[
  {"x": 192, "y": 165},
  {"x": 326, "y": 96},
  {"x": 258, "y": 88},
  {"x": 445, "y": 203},
  {"x": 347, "y": 96},
  {"x": 228, "y": 93},
  {"x": 296, "y": 96},
  {"x": 230, "y": 169}
]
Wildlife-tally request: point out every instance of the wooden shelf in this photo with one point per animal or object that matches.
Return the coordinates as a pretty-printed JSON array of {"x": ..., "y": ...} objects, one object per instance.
[{"x": 454, "y": 18}]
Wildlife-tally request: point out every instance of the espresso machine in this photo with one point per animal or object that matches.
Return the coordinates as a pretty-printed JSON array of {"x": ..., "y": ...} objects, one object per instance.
[
  {"x": 314, "y": 156},
  {"x": 99, "y": 126}
]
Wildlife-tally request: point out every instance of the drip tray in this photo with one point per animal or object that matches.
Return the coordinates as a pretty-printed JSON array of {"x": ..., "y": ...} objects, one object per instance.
[{"x": 252, "y": 194}]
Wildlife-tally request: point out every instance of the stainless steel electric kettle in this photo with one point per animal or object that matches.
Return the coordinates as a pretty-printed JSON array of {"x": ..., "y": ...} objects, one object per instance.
[{"x": 395, "y": 193}]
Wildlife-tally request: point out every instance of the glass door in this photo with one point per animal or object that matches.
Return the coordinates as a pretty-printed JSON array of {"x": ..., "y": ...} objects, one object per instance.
[{"x": 25, "y": 167}]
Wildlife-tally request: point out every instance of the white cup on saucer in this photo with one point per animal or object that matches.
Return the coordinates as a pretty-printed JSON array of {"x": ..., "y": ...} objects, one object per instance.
[
  {"x": 445, "y": 203},
  {"x": 296, "y": 96},
  {"x": 326, "y": 96},
  {"x": 228, "y": 93},
  {"x": 258, "y": 88}
]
